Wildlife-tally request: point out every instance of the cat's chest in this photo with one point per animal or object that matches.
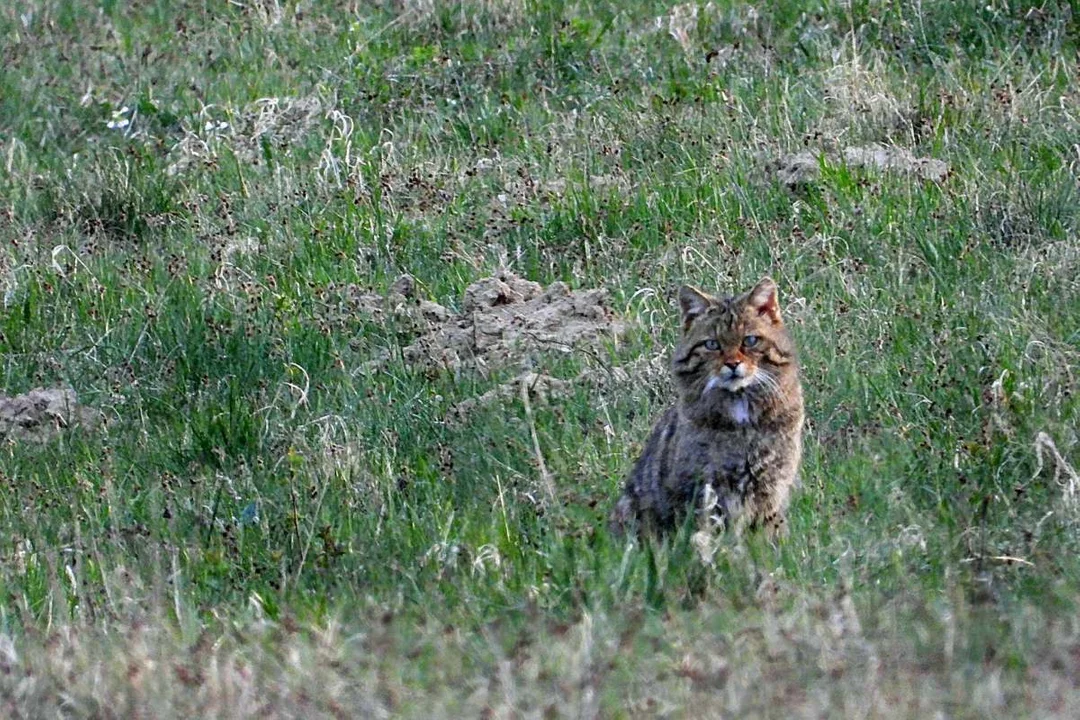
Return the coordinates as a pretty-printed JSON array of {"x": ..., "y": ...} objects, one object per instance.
[
  {"x": 727, "y": 449},
  {"x": 739, "y": 411}
]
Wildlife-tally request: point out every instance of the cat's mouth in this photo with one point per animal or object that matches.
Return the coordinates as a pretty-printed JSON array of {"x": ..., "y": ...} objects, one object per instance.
[{"x": 732, "y": 383}]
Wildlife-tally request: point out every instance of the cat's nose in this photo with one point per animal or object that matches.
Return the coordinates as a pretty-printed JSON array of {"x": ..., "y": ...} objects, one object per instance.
[{"x": 732, "y": 365}]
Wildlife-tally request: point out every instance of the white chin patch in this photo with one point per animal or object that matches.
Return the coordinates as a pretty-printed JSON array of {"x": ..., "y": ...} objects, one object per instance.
[
  {"x": 740, "y": 410},
  {"x": 736, "y": 384}
]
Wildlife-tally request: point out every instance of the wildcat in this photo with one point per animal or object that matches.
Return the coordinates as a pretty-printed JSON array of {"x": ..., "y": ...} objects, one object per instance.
[{"x": 736, "y": 427}]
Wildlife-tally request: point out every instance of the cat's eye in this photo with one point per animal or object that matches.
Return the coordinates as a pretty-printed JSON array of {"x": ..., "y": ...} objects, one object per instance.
[
  {"x": 712, "y": 344},
  {"x": 750, "y": 341}
]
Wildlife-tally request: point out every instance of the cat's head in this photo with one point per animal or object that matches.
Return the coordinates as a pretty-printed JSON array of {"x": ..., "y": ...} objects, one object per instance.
[{"x": 731, "y": 345}]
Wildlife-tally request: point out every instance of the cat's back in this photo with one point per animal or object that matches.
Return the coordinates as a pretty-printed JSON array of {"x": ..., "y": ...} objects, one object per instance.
[{"x": 647, "y": 491}]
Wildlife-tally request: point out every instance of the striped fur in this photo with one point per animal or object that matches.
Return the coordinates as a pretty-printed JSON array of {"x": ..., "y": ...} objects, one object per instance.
[{"x": 736, "y": 426}]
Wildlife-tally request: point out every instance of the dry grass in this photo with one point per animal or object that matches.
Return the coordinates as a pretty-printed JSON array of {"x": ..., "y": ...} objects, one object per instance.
[
  {"x": 818, "y": 657},
  {"x": 293, "y": 509}
]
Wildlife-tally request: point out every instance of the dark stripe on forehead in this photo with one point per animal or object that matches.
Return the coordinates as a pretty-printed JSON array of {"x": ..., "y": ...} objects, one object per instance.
[{"x": 727, "y": 312}]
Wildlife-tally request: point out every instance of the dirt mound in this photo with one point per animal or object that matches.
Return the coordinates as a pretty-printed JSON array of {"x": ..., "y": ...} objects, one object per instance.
[
  {"x": 503, "y": 320},
  {"x": 804, "y": 167},
  {"x": 41, "y": 414},
  {"x": 541, "y": 389},
  {"x": 884, "y": 157}
]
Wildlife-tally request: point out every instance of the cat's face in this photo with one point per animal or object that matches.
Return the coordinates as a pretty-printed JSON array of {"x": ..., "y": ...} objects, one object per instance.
[{"x": 733, "y": 345}]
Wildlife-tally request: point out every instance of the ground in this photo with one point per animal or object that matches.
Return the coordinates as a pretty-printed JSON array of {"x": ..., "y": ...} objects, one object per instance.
[{"x": 280, "y": 439}]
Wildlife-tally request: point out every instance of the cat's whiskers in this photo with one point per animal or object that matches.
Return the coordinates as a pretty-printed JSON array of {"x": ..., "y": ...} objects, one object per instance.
[
  {"x": 769, "y": 384},
  {"x": 774, "y": 382}
]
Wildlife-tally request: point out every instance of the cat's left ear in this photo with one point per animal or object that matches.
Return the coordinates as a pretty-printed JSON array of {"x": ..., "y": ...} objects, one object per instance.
[
  {"x": 693, "y": 303},
  {"x": 763, "y": 299}
]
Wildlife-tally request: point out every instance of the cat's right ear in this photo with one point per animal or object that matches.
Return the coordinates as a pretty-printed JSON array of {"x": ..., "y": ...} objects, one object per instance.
[{"x": 693, "y": 303}]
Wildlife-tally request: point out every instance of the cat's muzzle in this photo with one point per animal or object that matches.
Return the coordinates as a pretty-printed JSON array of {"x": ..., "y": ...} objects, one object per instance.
[
  {"x": 731, "y": 372},
  {"x": 729, "y": 381}
]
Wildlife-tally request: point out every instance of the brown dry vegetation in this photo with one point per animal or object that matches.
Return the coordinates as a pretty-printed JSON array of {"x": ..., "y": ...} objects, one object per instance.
[{"x": 366, "y": 308}]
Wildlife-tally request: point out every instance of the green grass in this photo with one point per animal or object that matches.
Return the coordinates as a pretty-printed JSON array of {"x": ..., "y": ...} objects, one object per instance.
[{"x": 192, "y": 193}]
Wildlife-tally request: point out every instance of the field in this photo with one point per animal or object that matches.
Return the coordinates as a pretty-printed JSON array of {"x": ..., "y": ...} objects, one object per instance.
[{"x": 297, "y": 486}]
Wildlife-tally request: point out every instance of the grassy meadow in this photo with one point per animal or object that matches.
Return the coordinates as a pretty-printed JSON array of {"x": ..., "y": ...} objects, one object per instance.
[{"x": 277, "y": 516}]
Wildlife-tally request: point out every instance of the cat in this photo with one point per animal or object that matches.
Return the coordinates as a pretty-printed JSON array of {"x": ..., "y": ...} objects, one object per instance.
[{"x": 733, "y": 439}]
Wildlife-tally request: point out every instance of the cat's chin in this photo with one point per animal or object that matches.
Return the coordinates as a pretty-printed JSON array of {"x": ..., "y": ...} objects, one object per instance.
[{"x": 731, "y": 386}]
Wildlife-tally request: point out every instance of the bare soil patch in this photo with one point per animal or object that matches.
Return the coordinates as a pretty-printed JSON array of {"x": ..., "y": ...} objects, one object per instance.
[
  {"x": 42, "y": 414},
  {"x": 804, "y": 168},
  {"x": 503, "y": 321}
]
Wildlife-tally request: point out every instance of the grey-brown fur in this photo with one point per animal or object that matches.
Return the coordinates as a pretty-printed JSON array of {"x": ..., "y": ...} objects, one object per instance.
[{"x": 736, "y": 426}]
